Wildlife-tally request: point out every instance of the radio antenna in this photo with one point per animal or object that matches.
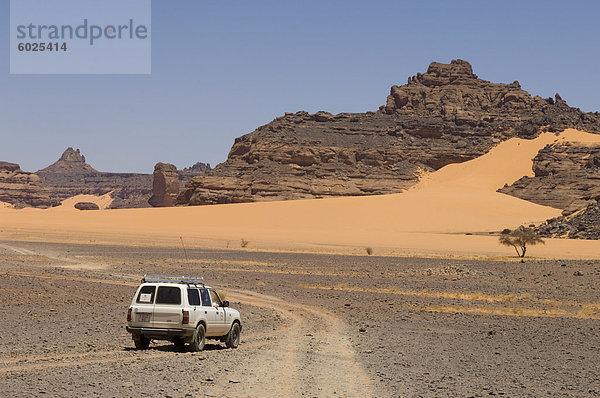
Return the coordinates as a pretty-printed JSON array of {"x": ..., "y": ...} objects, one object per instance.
[{"x": 184, "y": 251}]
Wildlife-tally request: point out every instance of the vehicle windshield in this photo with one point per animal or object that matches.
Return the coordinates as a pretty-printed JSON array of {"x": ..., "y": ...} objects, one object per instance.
[{"x": 215, "y": 297}]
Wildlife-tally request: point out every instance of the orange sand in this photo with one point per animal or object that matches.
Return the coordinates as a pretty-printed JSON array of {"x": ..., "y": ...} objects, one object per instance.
[
  {"x": 103, "y": 202},
  {"x": 430, "y": 219}
]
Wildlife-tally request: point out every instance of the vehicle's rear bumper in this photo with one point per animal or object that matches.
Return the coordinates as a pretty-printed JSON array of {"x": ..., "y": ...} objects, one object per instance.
[{"x": 160, "y": 333}]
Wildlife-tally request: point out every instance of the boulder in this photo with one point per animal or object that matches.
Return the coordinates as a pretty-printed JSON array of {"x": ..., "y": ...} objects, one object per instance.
[{"x": 86, "y": 206}]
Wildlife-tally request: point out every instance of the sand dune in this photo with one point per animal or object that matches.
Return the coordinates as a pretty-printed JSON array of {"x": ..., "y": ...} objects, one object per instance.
[
  {"x": 432, "y": 218},
  {"x": 103, "y": 202}
]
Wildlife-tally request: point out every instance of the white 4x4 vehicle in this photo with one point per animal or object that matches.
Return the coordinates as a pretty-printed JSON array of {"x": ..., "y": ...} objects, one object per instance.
[{"x": 182, "y": 310}]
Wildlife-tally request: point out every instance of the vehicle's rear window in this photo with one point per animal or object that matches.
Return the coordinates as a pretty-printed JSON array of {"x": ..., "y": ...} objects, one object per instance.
[
  {"x": 193, "y": 297},
  {"x": 168, "y": 295},
  {"x": 146, "y": 295}
]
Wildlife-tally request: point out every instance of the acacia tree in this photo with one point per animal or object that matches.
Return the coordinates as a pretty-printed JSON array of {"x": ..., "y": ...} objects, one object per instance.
[{"x": 519, "y": 239}]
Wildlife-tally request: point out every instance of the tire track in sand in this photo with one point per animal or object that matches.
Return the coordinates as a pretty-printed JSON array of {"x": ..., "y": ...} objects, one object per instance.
[
  {"x": 313, "y": 356},
  {"x": 309, "y": 354}
]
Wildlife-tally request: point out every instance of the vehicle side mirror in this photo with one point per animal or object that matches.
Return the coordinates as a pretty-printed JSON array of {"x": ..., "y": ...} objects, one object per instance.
[{"x": 225, "y": 303}]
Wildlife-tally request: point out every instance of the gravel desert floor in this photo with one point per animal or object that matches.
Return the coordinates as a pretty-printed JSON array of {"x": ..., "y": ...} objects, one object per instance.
[{"x": 314, "y": 325}]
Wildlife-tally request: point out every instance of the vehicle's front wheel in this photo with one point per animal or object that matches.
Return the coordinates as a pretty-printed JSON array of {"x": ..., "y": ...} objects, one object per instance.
[
  {"x": 199, "y": 339},
  {"x": 233, "y": 337},
  {"x": 141, "y": 342}
]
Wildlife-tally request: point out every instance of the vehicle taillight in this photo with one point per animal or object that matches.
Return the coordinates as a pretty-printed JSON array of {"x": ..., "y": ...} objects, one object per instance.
[
  {"x": 186, "y": 317},
  {"x": 129, "y": 315}
]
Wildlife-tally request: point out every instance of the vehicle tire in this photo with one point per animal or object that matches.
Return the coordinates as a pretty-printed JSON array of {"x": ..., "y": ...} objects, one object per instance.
[
  {"x": 198, "y": 339},
  {"x": 179, "y": 344},
  {"x": 141, "y": 342},
  {"x": 233, "y": 337}
]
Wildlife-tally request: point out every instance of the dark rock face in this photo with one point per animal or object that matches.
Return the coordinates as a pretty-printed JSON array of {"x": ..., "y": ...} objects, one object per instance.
[
  {"x": 444, "y": 116},
  {"x": 189, "y": 172},
  {"x": 584, "y": 224},
  {"x": 23, "y": 189},
  {"x": 567, "y": 176},
  {"x": 165, "y": 187},
  {"x": 71, "y": 176},
  {"x": 86, "y": 206}
]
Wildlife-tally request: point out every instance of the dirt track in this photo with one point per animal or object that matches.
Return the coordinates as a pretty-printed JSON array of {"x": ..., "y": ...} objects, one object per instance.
[{"x": 314, "y": 325}]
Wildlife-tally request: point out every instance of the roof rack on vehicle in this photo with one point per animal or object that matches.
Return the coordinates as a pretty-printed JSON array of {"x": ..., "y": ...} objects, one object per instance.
[{"x": 196, "y": 280}]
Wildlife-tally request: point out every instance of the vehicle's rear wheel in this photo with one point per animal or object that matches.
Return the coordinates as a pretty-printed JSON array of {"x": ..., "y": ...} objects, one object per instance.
[
  {"x": 141, "y": 342},
  {"x": 233, "y": 337},
  {"x": 198, "y": 339}
]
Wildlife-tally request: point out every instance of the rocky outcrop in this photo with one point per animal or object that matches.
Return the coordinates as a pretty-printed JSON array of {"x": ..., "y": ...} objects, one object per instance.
[
  {"x": 190, "y": 172},
  {"x": 86, "y": 206},
  {"x": 567, "y": 176},
  {"x": 22, "y": 189},
  {"x": 70, "y": 162},
  {"x": 446, "y": 115},
  {"x": 165, "y": 187},
  {"x": 584, "y": 224},
  {"x": 71, "y": 176}
]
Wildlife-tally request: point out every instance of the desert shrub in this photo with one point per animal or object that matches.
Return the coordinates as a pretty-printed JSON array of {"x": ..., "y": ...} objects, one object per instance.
[
  {"x": 369, "y": 250},
  {"x": 244, "y": 242}
]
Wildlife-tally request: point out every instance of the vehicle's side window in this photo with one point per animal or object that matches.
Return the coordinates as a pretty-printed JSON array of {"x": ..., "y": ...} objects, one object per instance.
[
  {"x": 215, "y": 297},
  {"x": 205, "y": 297},
  {"x": 168, "y": 295},
  {"x": 146, "y": 295},
  {"x": 193, "y": 297}
]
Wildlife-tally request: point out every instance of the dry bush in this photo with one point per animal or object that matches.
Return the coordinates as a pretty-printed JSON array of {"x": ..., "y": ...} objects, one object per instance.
[
  {"x": 244, "y": 242},
  {"x": 520, "y": 238}
]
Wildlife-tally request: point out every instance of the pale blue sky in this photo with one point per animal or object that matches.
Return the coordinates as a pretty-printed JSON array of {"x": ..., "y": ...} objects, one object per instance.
[{"x": 222, "y": 68}]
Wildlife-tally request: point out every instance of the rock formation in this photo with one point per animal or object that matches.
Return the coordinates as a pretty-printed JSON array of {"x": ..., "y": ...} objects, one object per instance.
[
  {"x": 71, "y": 176},
  {"x": 22, "y": 189},
  {"x": 567, "y": 176},
  {"x": 584, "y": 224},
  {"x": 444, "y": 116},
  {"x": 70, "y": 162},
  {"x": 165, "y": 187},
  {"x": 190, "y": 172},
  {"x": 86, "y": 206}
]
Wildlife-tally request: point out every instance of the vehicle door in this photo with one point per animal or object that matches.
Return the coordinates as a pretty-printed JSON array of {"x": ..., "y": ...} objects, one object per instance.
[
  {"x": 167, "y": 307},
  {"x": 221, "y": 319},
  {"x": 196, "y": 310},
  {"x": 211, "y": 313},
  {"x": 143, "y": 310}
]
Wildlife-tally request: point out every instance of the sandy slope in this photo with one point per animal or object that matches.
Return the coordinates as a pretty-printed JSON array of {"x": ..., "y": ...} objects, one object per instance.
[
  {"x": 431, "y": 218},
  {"x": 103, "y": 201}
]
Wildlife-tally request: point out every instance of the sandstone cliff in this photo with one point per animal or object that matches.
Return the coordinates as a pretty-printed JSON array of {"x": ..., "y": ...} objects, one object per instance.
[
  {"x": 71, "y": 175},
  {"x": 446, "y": 115},
  {"x": 567, "y": 176},
  {"x": 165, "y": 186},
  {"x": 22, "y": 189}
]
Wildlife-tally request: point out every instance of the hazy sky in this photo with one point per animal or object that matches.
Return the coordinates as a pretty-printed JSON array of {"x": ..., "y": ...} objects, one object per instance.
[{"x": 222, "y": 68}]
